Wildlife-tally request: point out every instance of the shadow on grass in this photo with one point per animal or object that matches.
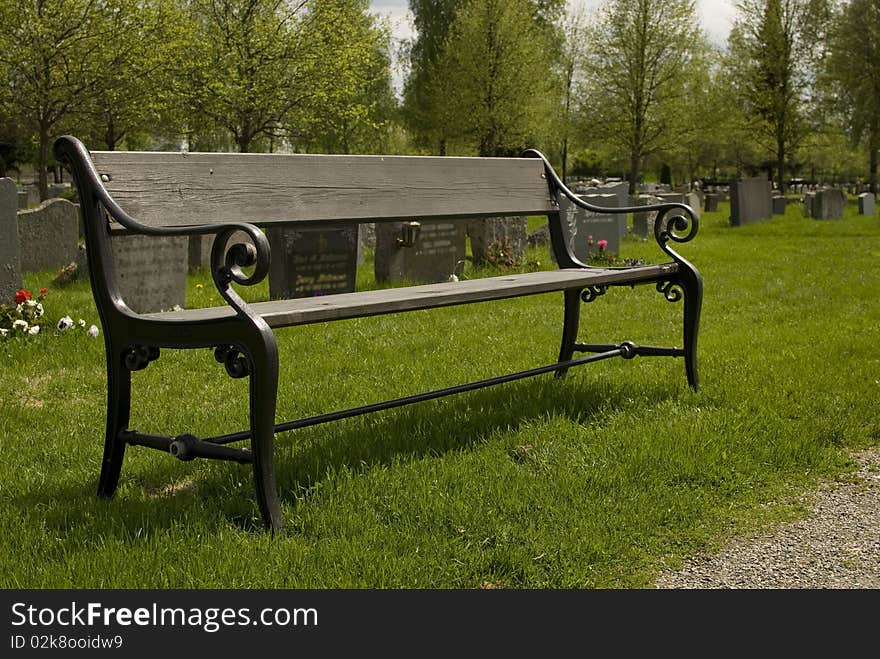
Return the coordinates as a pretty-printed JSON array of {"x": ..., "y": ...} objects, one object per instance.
[{"x": 165, "y": 493}]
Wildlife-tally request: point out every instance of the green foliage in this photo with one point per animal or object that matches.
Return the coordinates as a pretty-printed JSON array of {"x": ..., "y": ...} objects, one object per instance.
[
  {"x": 640, "y": 52},
  {"x": 852, "y": 74}
]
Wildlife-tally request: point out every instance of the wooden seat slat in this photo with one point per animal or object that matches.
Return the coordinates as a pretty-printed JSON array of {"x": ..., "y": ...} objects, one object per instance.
[{"x": 301, "y": 311}]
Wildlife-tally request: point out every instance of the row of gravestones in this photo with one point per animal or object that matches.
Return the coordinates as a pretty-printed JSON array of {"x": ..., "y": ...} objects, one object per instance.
[
  {"x": 314, "y": 261},
  {"x": 752, "y": 200}
]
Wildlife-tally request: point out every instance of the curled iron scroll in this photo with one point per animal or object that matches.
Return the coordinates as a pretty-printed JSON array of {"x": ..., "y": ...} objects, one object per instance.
[{"x": 237, "y": 365}]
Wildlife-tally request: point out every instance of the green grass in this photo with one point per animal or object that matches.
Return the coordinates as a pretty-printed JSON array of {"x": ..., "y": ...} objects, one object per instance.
[{"x": 599, "y": 480}]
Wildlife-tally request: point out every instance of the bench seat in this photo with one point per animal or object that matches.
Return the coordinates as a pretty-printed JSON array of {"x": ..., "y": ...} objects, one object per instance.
[{"x": 302, "y": 311}]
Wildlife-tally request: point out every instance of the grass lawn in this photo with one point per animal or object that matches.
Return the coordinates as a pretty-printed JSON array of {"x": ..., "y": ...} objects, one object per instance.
[{"x": 595, "y": 481}]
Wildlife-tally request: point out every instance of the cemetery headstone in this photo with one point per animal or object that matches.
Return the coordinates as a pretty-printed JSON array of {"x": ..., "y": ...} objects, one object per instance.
[
  {"x": 867, "y": 204},
  {"x": 828, "y": 204},
  {"x": 710, "y": 203},
  {"x": 312, "y": 261},
  {"x": 10, "y": 264},
  {"x": 643, "y": 223},
  {"x": 48, "y": 235},
  {"x": 199, "y": 251},
  {"x": 750, "y": 201},
  {"x": 435, "y": 254},
  {"x": 151, "y": 271},
  {"x": 584, "y": 229},
  {"x": 498, "y": 240},
  {"x": 779, "y": 205}
]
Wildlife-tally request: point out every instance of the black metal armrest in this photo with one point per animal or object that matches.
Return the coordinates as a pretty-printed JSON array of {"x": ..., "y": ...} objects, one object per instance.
[{"x": 674, "y": 222}]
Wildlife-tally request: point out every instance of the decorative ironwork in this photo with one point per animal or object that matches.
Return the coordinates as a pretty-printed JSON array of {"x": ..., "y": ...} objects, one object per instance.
[
  {"x": 137, "y": 358},
  {"x": 237, "y": 365},
  {"x": 671, "y": 290},
  {"x": 592, "y": 292}
]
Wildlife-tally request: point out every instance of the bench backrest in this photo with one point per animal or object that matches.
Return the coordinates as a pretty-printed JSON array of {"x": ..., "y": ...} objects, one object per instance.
[{"x": 176, "y": 189}]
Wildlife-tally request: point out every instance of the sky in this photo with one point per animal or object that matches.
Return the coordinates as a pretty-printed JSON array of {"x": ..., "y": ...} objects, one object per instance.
[{"x": 716, "y": 16}]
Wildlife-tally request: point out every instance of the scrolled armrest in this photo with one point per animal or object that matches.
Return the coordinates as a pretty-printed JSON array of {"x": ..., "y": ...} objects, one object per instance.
[{"x": 674, "y": 222}]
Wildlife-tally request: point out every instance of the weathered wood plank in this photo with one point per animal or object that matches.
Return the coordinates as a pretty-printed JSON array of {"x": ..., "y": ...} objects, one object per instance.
[
  {"x": 175, "y": 189},
  {"x": 302, "y": 311}
]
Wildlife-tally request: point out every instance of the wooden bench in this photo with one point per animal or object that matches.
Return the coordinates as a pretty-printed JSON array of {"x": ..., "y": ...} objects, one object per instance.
[{"x": 224, "y": 194}]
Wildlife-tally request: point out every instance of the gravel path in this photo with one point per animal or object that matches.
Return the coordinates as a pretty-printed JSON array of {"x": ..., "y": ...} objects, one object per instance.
[{"x": 836, "y": 546}]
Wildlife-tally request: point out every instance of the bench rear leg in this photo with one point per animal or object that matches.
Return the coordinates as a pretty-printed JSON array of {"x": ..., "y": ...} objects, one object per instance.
[
  {"x": 569, "y": 328},
  {"x": 118, "y": 411},
  {"x": 263, "y": 392}
]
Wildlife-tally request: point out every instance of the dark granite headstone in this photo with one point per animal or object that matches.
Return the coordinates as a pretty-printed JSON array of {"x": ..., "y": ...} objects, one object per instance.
[
  {"x": 584, "y": 229},
  {"x": 151, "y": 271},
  {"x": 750, "y": 201},
  {"x": 710, "y": 203},
  {"x": 48, "y": 235},
  {"x": 779, "y": 205},
  {"x": 10, "y": 263},
  {"x": 311, "y": 261},
  {"x": 867, "y": 204},
  {"x": 498, "y": 240},
  {"x": 433, "y": 257}
]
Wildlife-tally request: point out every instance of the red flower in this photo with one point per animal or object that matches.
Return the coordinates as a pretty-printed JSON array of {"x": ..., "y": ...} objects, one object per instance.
[
  {"x": 21, "y": 296},
  {"x": 602, "y": 245},
  {"x": 43, "y": 291}
]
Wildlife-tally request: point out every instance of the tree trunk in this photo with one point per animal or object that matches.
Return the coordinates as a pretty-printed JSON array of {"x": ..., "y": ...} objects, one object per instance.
[
  {"x": 873, "y": 147},
  {"x": 780, "y": 164},
  {"x": 633, "y": 173},
  {"x": 565, "y": 161},
  {"x": 43, "y": 162}
]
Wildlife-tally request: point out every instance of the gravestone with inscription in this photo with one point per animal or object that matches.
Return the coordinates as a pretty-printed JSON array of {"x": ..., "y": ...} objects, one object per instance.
[
  {"x": 437, "y": 253},
  {"x": 151, "y": 271},
  {"x": 48, "y": 235},
  {"x": 10, "y": 264},
  {"x": 750, "y": 201},
  {"x": 867, "y": 204},
  {"x": 583, "y": 229},
  {"x": 312, "y": 261}
]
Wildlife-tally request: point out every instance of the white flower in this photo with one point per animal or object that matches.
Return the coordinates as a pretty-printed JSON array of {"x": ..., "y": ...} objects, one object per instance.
[
  {"x": 31, "y": 303},
  {"x": 34, "y": 330},
  {"x": 3, "y": 332},
  {"x": 20, "y": 325},
  {"x": 92, "y": 331},
  {"x": 39, "y": 313},
  {"x": 452, "y": 278},
  {"x": 65, "y": 323},
  {"x": 20, "y": 307},
  {"x": 82, "y": 323}
]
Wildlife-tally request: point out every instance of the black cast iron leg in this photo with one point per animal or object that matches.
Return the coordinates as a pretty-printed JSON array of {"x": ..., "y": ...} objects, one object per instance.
[
  {"x": 569, "y": 328},
  {"x": 118, "y": 410},
  {"x": 263, "y": 391},
  {"x": 692, "y": 285}
]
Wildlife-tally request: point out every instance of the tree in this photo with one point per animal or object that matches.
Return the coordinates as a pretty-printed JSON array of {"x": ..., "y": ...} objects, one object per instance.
[
  {"x": 427, "y": 113},
  {"x": 570, "y": 62},
  {"x": 352, "y": 101},
  {"x": 50, "y": 50},
  {"x": 638, "y": 55},
  {"x": 853, "y": 69},
  {"x": 137, "y": 89},
  {"x": 493, "y": 79},
  {"x": 773, "y": 50}
]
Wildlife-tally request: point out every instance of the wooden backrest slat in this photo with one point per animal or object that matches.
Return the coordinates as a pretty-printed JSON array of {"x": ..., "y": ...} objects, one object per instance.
[{"x": 175, "y": 189}]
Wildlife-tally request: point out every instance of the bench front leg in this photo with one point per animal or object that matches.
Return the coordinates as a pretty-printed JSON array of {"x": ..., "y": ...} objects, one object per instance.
[
  {"x": 571, "y": 323},
  {"x": 263, "y": 395},
  {"x": 118, "y": 412}
]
